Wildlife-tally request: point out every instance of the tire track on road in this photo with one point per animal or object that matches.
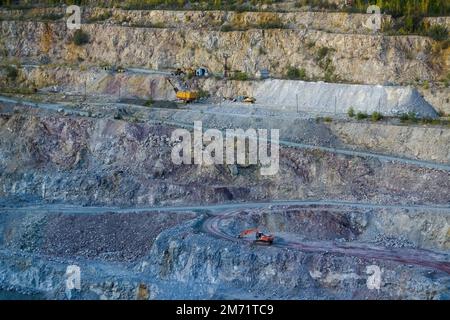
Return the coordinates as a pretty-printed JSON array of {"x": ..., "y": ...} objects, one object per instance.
[{"x": 408, "y": 256}]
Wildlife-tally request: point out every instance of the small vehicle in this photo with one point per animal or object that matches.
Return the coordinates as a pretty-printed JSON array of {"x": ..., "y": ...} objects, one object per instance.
[
  {"x": 260, "y": 237},
  {"x": 245, "y": 99},
  {"x": 249, "y": 100},
  {"x": 120, "y": 69},
  {"x": 178, "y": 72}
]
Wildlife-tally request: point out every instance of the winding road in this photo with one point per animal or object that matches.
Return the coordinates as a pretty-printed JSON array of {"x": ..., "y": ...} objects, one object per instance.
[
  {"x": 213, "y": 225},
  {"x": 420, "y": 257}
]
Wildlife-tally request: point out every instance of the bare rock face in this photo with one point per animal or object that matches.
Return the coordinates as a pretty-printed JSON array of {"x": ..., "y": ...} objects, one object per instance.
[
  {"x": 102, "y": 161},
  {"x": 339, "y": 22},
  {"x": 405, "y": 140},
  {"x": 362, "y": 58},
  {"x": 220, "y": 266},
  {"x": 94, "y": 175}
]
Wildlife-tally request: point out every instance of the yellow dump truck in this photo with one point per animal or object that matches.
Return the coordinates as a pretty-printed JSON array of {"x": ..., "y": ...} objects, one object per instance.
[{"x": 187, "y": 96}]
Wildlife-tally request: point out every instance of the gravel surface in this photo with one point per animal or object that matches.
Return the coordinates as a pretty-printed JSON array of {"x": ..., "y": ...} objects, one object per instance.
[{"x": 118, "y": 237}]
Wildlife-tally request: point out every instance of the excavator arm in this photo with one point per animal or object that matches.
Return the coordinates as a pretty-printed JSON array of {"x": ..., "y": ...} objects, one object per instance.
[
  {"x": 247, "y": 232},
  {"x": 260, "y": 237},
  {"x": 173, "y": 86}
]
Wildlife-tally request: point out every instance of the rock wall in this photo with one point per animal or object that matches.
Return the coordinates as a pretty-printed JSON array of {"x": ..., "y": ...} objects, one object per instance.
[
  {"x": 330, "y": 21},
  {"x": 438, "y": 98},
  {"x": 445, "y": 21},
  {"x": 368, "y": 59},
  {"x": 425, "y": 143},
  {"x": 111, "y": 162}
]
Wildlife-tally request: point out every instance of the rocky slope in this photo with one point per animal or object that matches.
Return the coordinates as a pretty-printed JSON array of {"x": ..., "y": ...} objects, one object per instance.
[
  {"x": 101, "y": 161},
  {"x": 412, "y": 141},
  {"x": 79, "y": 181},
  {"x": 184, "y": 262},
  {"x": 362, "y": 58}
]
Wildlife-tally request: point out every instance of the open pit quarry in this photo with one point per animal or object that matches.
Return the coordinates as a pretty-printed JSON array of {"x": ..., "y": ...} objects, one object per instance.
[{"x": 360, "y": 205}]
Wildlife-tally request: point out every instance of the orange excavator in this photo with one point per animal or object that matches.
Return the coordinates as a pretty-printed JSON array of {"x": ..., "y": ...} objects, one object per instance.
[{"x": 259, "y": 236}]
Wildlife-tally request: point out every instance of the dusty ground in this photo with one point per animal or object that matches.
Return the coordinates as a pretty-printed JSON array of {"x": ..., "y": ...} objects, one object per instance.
[
  {"x": 117, "y": 237},
  {"x": 176, "y": 254},
  {"x": 319, "y": 252},
  {"x": 86, "y": 176}
]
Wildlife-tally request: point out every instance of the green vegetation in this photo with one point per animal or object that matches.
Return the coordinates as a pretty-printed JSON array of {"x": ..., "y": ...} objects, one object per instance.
[
  {"x": 329, "y": 68},
  {"x": 432, "y": 121},
  {"x": 232, "y": 5},
  {"x": 274, "y": 23},
  {"x": 11, "y": 73},
  {"x": 18, "y": 90},
  {"x": 351, "y": 112},
  {"x": 397, "y": 8},
  {"x": 409, "y": 117},
  {"x": 203, "y": 94},
  {"x": 409, "y": 16},
  {"x": 447, "y": 80},
  {"x": 80, "y": 37},
  {"x": 324, "y": 61},
  {"x": 296, "y": 74},
  {"x": 361, "y": 115},
  {"x": 226, "y": 28},
  {"x": 322, "y": 53},
  {"x": 156, "y": 25},
  {"x": 376, "y": 116},
  {"x": 317, "y": 4},
  {"x": 406, "y": 8},
  {"x": 437, "y": 32},
  {"x": 149, "y": 102},
  {"x": 239, "y": 75},
  {"x": 310, "y": 44},
  {"x": 324, "y": 119}
]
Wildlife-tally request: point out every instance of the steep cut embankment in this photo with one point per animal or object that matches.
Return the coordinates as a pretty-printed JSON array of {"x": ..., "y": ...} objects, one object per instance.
[
  {"x": 100, "y": 161},
  {"x": 369, "y": 59},
  {"x": 422, "y": 143}
]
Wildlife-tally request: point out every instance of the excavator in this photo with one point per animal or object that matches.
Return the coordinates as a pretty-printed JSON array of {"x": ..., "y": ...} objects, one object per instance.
[
  {"x": 259, "y": 236},
  {"x": 184, "y": 95}
]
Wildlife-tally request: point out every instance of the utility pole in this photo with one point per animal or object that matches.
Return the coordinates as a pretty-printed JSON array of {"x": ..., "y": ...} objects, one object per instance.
[{"x": 225, "y": 66}]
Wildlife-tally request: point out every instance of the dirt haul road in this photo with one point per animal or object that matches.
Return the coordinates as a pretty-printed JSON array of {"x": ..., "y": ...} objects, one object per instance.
[
  {"x": 419, "y": 257},
  {"x": 221, "y": 212}
]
